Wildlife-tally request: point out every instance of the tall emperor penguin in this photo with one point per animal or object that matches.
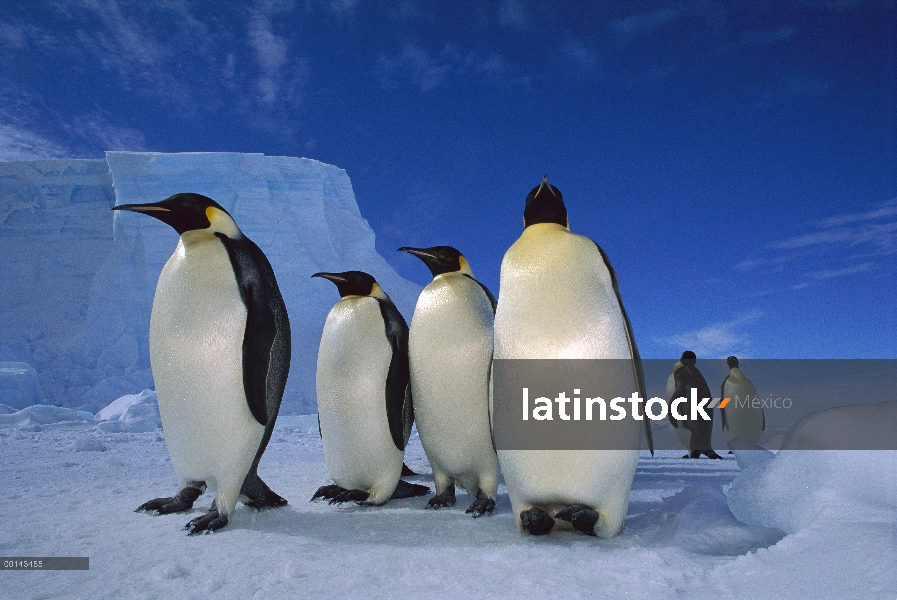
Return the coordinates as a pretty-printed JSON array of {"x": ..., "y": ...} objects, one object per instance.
[
  {"x": 220, "y": 354},
  {"x": 450, "y": 354},
  {"x": 560, "y": 300}
]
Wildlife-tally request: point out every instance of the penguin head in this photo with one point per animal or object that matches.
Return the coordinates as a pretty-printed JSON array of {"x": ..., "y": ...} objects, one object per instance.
[
  {"x": 688, "y": 358},
  {"x": 544, "y": 204},
  {"x": 732, "y": 362},
  {"x": 354, "y": 283},
  {"x": 189, "y": 212},
  {"x": 441, "y": 259}
]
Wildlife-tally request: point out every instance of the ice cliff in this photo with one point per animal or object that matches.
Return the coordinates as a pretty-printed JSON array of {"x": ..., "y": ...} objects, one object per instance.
[{"x": 78, "y": 279}]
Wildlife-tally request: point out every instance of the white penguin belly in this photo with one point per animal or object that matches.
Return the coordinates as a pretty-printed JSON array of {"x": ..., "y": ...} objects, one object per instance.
[
  {"x": 742, "y": 420},
  {"x": 557, "y": 301},
  {"x": 196, "y": 339},
  {"x": 450, "y": 351},
  {"x": 353, "y": 362}
]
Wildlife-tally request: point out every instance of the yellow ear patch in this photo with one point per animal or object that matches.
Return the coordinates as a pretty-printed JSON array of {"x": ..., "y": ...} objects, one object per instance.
[{"x": 465, "y": 266}]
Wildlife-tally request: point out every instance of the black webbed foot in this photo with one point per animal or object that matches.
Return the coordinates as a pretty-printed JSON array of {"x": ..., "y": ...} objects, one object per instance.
[
  {"x": 408, "y": 490},
  {"x": 349, "y": 496},
  {"x": 446, "y": 498},
  {"x": 328, "y": 492},
  {"x": 536, "y": 521},
  {"x": 207, "y": 523},
  {"x": 581, "y": 517},
  {"x": 258, "y": 496},
  {"x": 180, "y": 502},
  {"x": 483, "y": 505},
  {"x": 712, "y": 454}
]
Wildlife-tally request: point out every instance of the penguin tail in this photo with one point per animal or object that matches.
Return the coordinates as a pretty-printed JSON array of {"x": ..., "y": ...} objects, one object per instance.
[
  {"x": 406, "y": 471},
  {"x": 409, "y": 490}
]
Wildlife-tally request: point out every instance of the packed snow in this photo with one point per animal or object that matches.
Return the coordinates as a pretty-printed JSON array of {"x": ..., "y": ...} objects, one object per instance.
[{"x": 797, "y": 524}]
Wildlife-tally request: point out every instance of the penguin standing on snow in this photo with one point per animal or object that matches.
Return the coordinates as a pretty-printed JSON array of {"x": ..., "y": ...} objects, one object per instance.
[
  {"x": 740, "y": 419},
  {"x": 560, "y": 300},
  {"x": 220, "y": 354},
  {"x": 364, "y": 400},
  {"x": 694, "y": 434},
  {"x": 450, "y": 353}
]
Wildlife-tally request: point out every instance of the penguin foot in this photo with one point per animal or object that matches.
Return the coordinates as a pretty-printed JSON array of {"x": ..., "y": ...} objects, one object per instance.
[
  {"x": 406, "y": 471},
  {"x": 536, "y": 521},
  {"x": 348, "y": 496},
  {"x": 258, "y": 495},
  {"x": 712, "y": 454},
  {"x": 180, "y": 502},
  {"x": 207, "y": 523},
  {"x": 689, "y": 456},
  {"x": 481, "y": 506},
  {"x": 328, "y": 492},
  {"x": 409, "y": 490},
  {"x": 446, "y": 498},
  {"x": 581, "y": 517},
  {"x": 730, "y": 452}
]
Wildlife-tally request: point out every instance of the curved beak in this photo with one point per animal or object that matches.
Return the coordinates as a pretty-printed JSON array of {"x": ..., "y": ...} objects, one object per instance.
[
  {"x": 331, "y": 276},
  {"x": 419, "y": 252},
  {"x": 141, "y": 208}
]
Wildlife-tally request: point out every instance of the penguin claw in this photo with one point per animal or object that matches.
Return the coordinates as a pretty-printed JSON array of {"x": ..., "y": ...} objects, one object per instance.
[
  {"x": 581, "y": 517},
  {"x": 207, "y": 523},
  {"x": 180, "y": 502},
  {"x": 348, "y": 496},
  {"x": 481, "y": 506},
  {"x": 446, "y": 498},
  {"x": 328, "y": 492},
  {"x": 536, "y": 521}
]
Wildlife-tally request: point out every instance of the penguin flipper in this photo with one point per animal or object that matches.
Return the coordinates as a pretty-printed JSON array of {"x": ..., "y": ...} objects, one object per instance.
[
  {"x": 633, "y": 348},
  {"x": 261, "y": 325},
  {"x": 399, "y": 404},
  {"x": 489, "y": 295}
]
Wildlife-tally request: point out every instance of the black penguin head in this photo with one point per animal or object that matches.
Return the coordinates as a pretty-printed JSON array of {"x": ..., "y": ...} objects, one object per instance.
[
  {"x": 544, "y": 204},
  {"x": 688, "y": 358},
  {"x": 732, "y": 362},
  {"x": 441, "y": 259},
  {"x": 353, "y": 283},
  {"x": 188, "y": 212}
]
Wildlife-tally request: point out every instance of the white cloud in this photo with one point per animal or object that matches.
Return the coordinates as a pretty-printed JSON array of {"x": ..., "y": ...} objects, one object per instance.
[
  {"x": 19, "y": 143},
  {"x": 431, "y": 71},
  {"x": 717, "y": 339},
  {"x": 271, "y": 56},
  {"x": 512, "y": 14},
  {"x": 643, "y": 22}
]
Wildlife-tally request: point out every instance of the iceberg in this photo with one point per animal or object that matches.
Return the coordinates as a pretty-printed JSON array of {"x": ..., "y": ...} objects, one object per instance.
[{"x": 79, "y": 279}]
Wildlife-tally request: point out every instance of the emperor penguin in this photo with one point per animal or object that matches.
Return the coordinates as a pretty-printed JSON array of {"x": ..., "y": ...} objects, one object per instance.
[
  {"x": 220, "y": 355},
  {"x": 693, "y": 434},
  {"x": 450, "y": 354},
  {"x": 560, "y": 300},
  {"x": 740, "y": 419},
  {"x": 365, "y": 409}
]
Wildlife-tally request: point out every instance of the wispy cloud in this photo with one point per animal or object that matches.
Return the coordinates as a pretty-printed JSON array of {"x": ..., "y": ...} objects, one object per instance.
[
  {"x": 513, "y": 15},
  {"x": 271, "y": 56},
  {"x": 430, "y": 71},
  {"x": 19, "y": 143},
  {"x": 846, "y": 241},
  {"x": 643, "y": 22},
  {"x": 717, "y": 339}
]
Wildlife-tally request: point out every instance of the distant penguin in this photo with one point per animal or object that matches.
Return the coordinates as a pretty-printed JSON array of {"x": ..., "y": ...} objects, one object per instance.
[
  {"x": 450, "y": 352},
  {"x": 560, "y": 300},
  {"x": 220, "y": 354},
  {"x": 740, "y": 419},
  {"x": 364, "y": 400},
  {"x": 694, "y": 435}
]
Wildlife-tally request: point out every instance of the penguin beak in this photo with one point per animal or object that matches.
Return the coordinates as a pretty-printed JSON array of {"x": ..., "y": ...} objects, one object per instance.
[
  {"x": 141, "y": 208},
  {"x": 335, "y": 277},
  {"x": 416, "y": 252}
]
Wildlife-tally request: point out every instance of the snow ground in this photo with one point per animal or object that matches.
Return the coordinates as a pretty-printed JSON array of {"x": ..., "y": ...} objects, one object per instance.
[{"x": 70, "y": 489}]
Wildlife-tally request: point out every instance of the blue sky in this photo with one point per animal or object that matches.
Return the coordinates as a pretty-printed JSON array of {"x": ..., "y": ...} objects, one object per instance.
[{"x": 736, "y": 160}]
